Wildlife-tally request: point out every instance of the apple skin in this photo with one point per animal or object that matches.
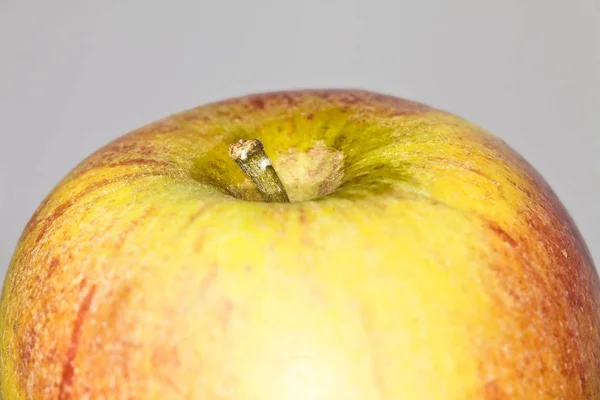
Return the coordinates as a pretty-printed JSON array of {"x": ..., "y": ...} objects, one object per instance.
[{"x": 420, "y": 258}]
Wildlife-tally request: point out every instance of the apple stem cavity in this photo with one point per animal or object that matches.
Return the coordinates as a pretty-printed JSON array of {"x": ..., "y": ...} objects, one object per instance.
[{"x": 251, "y": 157}]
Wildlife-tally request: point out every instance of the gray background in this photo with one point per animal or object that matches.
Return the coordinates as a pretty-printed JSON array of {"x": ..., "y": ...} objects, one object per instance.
[{"x": 76, "y": 74}]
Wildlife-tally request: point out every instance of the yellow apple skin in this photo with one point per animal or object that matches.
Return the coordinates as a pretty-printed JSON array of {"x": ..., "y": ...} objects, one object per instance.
[{"x": 421, "y": 258}]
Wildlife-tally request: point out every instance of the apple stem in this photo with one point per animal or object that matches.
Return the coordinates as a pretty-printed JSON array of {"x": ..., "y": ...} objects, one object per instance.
[{"x": 251, "y": 157}]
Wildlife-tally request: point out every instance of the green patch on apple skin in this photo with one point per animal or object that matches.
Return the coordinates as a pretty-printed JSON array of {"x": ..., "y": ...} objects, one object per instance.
[
  {"x": 307, "y": 175},
  {"x": 327, "y": 153}
]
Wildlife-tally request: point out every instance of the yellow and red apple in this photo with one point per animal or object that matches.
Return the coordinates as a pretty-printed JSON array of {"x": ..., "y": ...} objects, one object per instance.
[{"x": 420, "y": 258}]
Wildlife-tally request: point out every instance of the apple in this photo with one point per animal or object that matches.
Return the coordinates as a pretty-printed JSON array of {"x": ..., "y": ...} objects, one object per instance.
[{"x": 419, "y": 257}]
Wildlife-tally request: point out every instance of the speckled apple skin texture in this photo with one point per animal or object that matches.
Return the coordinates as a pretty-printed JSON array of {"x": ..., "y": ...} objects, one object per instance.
[{"x": 421, "y": 258}]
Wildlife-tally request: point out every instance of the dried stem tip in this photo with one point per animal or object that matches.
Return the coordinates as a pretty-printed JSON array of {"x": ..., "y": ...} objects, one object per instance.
[{"x": 252, "y": 159}]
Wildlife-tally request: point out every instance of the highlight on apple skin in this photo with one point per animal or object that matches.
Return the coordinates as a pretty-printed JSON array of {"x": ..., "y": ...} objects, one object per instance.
[{"x": 419, "y": 257}]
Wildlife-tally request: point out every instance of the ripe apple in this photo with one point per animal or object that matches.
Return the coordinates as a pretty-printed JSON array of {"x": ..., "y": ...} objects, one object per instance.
[{"x": 419, "y": 258}]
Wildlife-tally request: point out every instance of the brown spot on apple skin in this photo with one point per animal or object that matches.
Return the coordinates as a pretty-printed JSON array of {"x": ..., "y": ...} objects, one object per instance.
[
  {"x": 288, "y": 98},
  {"x": 497, "y": 229},
  {"x": 305, "y": 237},
  {"x": 479, "y": 172},
  {"x": 302, "y": 217},
  {"x": 54, "y": 263},
  {"x": 257, "y": 102},
  {"x": 66, "y": 381}
]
